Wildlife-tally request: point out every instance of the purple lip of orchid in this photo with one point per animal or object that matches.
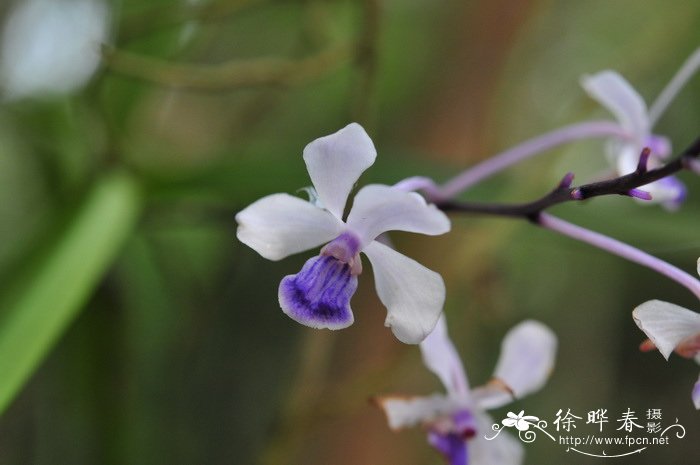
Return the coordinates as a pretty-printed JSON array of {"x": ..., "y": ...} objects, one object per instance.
[
  {"x": 450, "y": 435},
  {"x": 319, "y": 295},
  {"x": 452, "y": 446}
]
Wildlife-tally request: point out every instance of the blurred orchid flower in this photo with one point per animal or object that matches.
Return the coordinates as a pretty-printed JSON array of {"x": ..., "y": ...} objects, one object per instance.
[
  {"x": 50, "y": 46},
  {"x": 616, "y": 94},
  {"x": 671, "y": 327},
  {"x": 319, "y": 295},
  {"x": 457, "y": 422}
]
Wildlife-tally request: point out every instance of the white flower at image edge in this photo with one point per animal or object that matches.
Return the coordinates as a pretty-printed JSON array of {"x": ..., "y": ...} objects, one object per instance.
[
  {"x": 671, "y": 327},
  {"x": 51, "y": 46},
  {"x": 319, "y": 295},
  {"x": 613, "y": 92},
  {"x": 457, "y": 422}
]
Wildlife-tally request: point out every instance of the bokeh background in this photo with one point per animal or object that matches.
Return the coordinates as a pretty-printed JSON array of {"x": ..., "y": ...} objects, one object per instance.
[{"x": 156, "y": 337}]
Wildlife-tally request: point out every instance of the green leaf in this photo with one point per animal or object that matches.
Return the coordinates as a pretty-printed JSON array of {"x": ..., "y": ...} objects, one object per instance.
[{"x": 46, "y": 298}]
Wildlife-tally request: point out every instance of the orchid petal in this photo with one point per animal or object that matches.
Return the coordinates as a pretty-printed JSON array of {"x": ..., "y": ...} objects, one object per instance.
[
  {"x": 336, "y": 161},
  {"x": 526, "y": 361},
  {"x": 616, "y": 94},
  {"x": 666, "y": 324},
  {"x": 403, "y": 412},
  {"x": 280, "y": 225},
  {"x": 319, "y": 295},
  {"x": 441, "y": 357},
  {"x": 51, "y": 47},
  {"x": 504, "y": 449},
  {"x": 412, "y": 294},
  {"x": 378, "y": 208}
]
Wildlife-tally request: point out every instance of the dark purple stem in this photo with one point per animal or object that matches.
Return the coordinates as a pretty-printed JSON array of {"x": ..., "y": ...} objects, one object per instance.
[{"x": 624, "y": 185}]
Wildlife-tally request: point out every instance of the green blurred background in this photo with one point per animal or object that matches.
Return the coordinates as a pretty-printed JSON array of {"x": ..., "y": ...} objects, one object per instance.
[{"x": 151, "y": 336}]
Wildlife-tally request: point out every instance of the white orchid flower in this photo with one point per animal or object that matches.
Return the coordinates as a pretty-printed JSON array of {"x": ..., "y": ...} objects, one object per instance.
[
  {"x": 671, "y": 327},
  {"x": 50, "y": 46},
  {"x": 457, "y": 422},
  {"x": 319, "y": 295},
  {"x": 616, "y": 94}
]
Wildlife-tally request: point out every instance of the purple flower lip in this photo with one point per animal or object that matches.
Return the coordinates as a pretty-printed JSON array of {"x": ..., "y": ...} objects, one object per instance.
[
  {"x": 319, "y": 295},
  {"x": 451, "y": 446}
]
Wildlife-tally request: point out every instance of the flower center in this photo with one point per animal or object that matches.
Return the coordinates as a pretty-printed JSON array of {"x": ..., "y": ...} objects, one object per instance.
[{"x": 346, "y": 249}]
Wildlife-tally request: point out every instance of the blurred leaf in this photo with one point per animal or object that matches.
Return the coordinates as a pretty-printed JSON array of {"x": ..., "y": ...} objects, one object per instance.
[{"x": 45, "y": 299}]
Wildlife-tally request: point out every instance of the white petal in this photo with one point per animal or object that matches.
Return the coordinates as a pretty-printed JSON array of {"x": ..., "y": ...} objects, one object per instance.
[
  {"x": 412, "y": 294},
  {"x": 613, "y": 92},
  {"x": 441, "y": 357},
  {"x": 666, "y": 324},
  {"x": 526, "y": 361},
  {"x": 51, "y": 46},
  {"x": 402, "y": 412},
  {"x": 335, "y": 162},
  {"x": 378, "y": 208},
  {"x": 503, "y": 450},
  {"x": 280, "y": 225}
]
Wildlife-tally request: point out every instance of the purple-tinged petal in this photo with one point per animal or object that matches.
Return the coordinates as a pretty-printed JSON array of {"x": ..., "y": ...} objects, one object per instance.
[
  {"x": 670, "y": 192},
  {"x": 696, "y": 394},
  {"x": 378, "y": 208},
  {"x": 441, "y": 357},
  {"x": 319, "y": 295},
  {"x": 280, "y": 225},
  {"x": 450, "y": 445},
  {"x": 335, "y": 162},
  {"x": 616, "y": 94},
  {"x": 412, "y": 293},
  {"x": 666, "y": 324},
  {"x": 659, "y": 145}
]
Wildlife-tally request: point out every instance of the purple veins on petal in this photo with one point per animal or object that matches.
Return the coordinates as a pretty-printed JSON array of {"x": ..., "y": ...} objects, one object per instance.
[
  {"x": 451, "y": 445},
  {"x": 319, "y": 295}
]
